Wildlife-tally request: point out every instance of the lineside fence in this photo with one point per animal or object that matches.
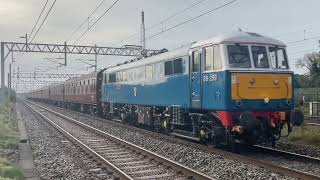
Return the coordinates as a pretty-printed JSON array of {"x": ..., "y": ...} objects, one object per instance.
[{"x": 311, "y": 99}]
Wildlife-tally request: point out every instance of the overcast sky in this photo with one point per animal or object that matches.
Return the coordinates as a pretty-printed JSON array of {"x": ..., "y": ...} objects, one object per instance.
[{"x": 287, "y": 20}]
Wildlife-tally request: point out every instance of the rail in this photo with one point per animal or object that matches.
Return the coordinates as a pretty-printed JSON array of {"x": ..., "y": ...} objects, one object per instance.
[
  {"x": 264, "y": 164},
  {"x": 178, "y": 168}
]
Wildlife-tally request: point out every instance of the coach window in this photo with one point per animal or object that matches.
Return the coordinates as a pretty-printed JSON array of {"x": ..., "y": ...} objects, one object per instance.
[
  {"x": 259, "y": 55},
  {"x": 238, "y": 56},
  {"x": 177, "y": 66},
  {"x": 168, "y": 68}
]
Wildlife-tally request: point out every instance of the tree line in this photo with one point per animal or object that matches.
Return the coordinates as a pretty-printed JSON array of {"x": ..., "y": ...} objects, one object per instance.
[{"x": 310, "y": 62}]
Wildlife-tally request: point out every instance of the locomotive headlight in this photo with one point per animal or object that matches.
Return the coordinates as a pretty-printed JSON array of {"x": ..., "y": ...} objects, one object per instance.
[
  {"x": 234, "y": 79},
  {"x": 289, "y": 80},
  {"x": 266, "y": 100}
]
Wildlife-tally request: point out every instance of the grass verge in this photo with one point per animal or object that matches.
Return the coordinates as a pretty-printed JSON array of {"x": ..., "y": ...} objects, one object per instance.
[
  {"x": 306, "y": 135},
  {"x": 8, "y": 139}
]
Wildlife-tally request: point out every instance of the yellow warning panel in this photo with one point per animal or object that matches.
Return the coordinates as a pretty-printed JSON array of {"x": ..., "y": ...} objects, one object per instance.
[{"x": 261, "y": 86}]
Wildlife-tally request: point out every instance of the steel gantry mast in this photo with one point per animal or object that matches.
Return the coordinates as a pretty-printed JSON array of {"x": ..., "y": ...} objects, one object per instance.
[{"x": 68, "y": 49}]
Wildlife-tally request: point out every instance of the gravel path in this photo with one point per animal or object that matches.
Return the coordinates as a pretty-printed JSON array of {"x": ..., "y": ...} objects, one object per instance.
[
  {"x": 54, "y": 156},
  {"x": 214, "y": 165}
]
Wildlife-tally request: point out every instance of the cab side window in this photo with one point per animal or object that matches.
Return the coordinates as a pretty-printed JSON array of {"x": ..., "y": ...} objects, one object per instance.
[
  {"x": 196, "y": 58},
  {"x": 212, "y": 59}
]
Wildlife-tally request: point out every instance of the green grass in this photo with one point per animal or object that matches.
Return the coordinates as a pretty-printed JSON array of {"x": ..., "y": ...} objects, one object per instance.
[
  {"x": 8, "y": 136},
  {"x": 306, "y": 135},
  {"x": 9, "y": 171},
  {"x": 8, "y": 139}
]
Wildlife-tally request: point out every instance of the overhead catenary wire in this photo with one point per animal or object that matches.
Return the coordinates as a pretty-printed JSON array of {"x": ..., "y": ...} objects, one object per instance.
[
  {"x": 304, "y": 51},
  {"x": 35, "y": 25},
  {"x": 302, "y": 40},
  {"x": 165, "y": 20},
  {"x": 43, "y": 21},
  {"x": 87, "y": 19},
  {"x": 103, "y": 14},
  {"x": 192, "y": 19}
]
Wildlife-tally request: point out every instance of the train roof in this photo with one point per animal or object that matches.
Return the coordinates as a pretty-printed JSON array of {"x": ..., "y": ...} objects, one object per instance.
[
  {"x": 85, "y": 76},
  {"x": 179, "y": 52},
  {"x": 239, "y": 37},
  {"x": 233, "y": 37}
]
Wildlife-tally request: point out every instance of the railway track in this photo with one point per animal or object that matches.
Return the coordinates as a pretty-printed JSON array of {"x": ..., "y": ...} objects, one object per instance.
[
  {"x": 313, "y": 124},
  {"x": 261, "y": 162},
  {"x": 286, "y": 154},
  {"x": 124, "y": 159}
]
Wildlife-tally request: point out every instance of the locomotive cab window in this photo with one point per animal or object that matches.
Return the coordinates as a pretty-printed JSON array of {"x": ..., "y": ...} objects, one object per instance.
[
  {"x": 260, "y": 57},
  {"x": 212, "y": 59},
  {"x": 278, "y": 58},
  {"x": 239, "y": 56},
  {"x": 196, "y": 58}
]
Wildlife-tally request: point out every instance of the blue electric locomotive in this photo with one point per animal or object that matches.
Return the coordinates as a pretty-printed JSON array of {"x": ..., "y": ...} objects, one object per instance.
[{"x": 235, "y": 86}]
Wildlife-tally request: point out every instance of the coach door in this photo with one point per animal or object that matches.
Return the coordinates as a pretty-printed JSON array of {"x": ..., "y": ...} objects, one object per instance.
[{"x": 195, "y": 81}]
